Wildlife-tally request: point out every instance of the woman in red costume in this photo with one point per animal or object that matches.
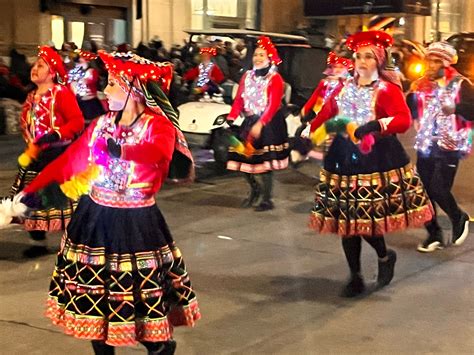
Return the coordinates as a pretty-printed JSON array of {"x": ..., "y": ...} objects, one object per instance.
[
  {"x": 50, "y": 121},
  {"x": 119, "y": 277},
  {"x": 206, "y": 76},
  {"x": 368, "y": 186},
  {"x": 84, "y": 81},
  {"x": 337, "y": 71},
  {"x": 259, "y": 100}
]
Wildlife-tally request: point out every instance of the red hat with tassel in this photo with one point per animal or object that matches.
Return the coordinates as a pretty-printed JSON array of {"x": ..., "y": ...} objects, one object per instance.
[
  {"x": 266, "y": 43},
  {"x": 54, "y": 61}
]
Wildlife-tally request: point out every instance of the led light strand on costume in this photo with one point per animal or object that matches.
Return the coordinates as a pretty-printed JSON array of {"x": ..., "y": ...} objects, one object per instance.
[
  {"x": 255, "y": 91},
  {"x": 357, "y": 102},
  {"x": 204, "y": 74},
  {"x": 440, "y": 128},
  {"x": 77, "y": 75}
]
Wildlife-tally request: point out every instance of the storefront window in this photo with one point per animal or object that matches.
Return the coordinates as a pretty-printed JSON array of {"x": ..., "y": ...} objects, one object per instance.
[
  {"x": 226, "y": 8},
  {"x": 76, "y": 33},
  {"x": 57, "y": 31},
  {"x": 449, "y": 20}
]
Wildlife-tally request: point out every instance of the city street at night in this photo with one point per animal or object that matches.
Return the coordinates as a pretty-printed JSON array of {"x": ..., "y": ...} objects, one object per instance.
[
  {"x": 267, "y": 284},
  {"x": 213, "y": 177}
]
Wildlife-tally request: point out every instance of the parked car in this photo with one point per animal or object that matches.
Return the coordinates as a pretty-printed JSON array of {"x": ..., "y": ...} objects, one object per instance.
[
  {"x": 464, "y": 44},
  {"x": 204, "y": 122}
]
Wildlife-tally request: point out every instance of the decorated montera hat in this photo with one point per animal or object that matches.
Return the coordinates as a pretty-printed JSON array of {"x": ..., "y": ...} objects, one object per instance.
[
  {"x": 130, "y": 67},
  {"x": 443, "y": 51},
  {"x": 86, "y": 54},
  {"x": 54, "y": 61},
  {"x": 379, "y": 39},
  {"x": 333, "y": 59},
  {"x": 266, "y": 43},
  {"x": 208, "y": 50}
]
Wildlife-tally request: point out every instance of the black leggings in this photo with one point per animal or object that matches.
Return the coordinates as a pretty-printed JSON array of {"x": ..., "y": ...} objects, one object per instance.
[
  {"x": 437, "y": 174},
  {"x": 266, "y": 185},
  {"x": 352, "y": 249}
]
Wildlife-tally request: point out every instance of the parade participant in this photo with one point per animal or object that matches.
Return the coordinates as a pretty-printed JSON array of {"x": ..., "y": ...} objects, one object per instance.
[
  {"x": 441, "y": 102},
  {"x": 365, "y": 195},
  {"x": 206, "y": 76},
  {"x": 50, "y": 120},
  {"x": 337, "y": 71},
  {"x": 83, "y": 79},
  {"x": 119, "y": 278},
  {"x": 259, "y": 99}
]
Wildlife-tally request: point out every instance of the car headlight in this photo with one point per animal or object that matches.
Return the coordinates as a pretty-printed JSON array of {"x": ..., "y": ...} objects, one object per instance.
[{"x": 220, "y": 120}]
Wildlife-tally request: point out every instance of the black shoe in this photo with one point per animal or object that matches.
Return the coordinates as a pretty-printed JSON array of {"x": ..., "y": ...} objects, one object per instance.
[
  {"x": 386, "y": 269},
  {"x": 264, "y": 206},
  {"x": 432, "y": 243},
  {"x": 461, "y": 229},
  {"x": 253, "y": 197},
  {"x": 354, "y": 288},
  {"x": 35, "y": 251},
  {"x": 162, "y": 348}
]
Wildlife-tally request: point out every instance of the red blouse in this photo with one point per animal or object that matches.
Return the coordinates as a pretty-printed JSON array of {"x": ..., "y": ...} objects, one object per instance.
[
  {"x": 56, "y": 111},
  {"x": 390, "y": 109},
  {"x": 273, "y": 95},
  {"x": 128, "y": 181}
]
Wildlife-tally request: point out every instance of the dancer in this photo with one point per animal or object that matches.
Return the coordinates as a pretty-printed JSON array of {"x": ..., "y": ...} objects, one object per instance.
[
  {"x": 206, "y": 76},
  {"x": 338, "y": 69},
  {"x": 84, "y": 80},
  {"x": 441, "y": 102},
  {"x": 365, "y": 195},
  {"x": 50, "y": 121},
  {"x": 259, "y": 99},
  {"x": 119, "y": 278}
]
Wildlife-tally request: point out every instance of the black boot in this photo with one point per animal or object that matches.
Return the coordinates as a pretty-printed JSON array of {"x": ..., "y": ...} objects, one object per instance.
[
  {"x": 354, "y": 287},
  {"x": 267, "y": 183},
  {"x": 264, "y": 206},
  {"x": 254, "y": 192},
  {"x": 100, "y": 348},
  {"x": 386, "y": 269},
  {"x": 161, "y": 348},
  {"x": 39, "y": 247},
  {"x": 252, "y": 197}
]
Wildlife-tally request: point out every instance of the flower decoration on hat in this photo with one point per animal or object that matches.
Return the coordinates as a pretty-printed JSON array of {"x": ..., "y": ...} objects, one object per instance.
[
  {"x": 54, "y": 61},
  {"x": 444, "y": 51},
  {"x": 129, "y": 66},
  {"x": 86, "y": 55},
  {"x": 379, "y": 39},
  {"x": 208, "y": 50},
  {"x": 333, "y": 59},
  {"x": 265, "y": 43}
]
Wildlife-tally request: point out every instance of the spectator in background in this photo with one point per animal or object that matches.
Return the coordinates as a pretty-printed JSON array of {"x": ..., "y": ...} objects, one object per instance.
[{"x": 220, "y": 58}]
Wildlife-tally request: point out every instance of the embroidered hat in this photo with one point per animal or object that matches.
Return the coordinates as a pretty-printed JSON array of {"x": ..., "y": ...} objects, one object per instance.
[
  {"x": 86, "y": 55},
  {"x": 266, "y": 43},
  {"x": 443, "y": 51},
  {"x": 129, "y": 66},
  {"x": 333, "y": 58},
  {"x": 379, "y": 39},
  {"x": 208, "y": 50},
  {"x": 54, "y": 61}
]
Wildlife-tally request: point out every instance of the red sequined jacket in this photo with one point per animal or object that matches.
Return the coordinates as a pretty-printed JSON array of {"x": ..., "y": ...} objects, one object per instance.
[
  {"x": 126, "y": 182},
  {"x": 271, "y": 97},
  {"x": 57, "y": 110},
  {"x": 388, "y": 106},
  {"x": 322, "y": 93}
]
